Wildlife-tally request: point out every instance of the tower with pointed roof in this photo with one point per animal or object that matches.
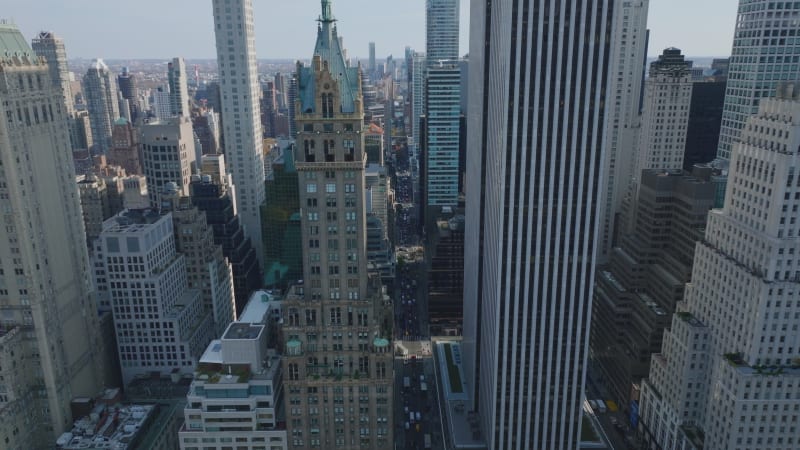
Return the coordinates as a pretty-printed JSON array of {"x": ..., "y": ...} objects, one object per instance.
[{"x": 337, "y": 323}]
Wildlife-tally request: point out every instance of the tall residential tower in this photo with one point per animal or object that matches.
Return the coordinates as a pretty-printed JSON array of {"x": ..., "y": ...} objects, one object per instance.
[
  {"x": 241, "y": 113},
  {"x": 100, "y": 90},
  {"x": 535, "y": 165}
]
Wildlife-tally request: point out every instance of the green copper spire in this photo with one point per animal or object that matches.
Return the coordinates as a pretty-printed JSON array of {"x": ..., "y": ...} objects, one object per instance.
[{"x": 327, "y": 13}]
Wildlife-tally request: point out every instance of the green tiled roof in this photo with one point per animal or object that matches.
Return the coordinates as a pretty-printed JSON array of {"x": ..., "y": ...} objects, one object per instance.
[{"x": 12, "y": 42}]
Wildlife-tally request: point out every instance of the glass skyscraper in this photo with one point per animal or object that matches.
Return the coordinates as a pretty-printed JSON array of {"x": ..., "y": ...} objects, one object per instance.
[{"x": 766, "y": 50}]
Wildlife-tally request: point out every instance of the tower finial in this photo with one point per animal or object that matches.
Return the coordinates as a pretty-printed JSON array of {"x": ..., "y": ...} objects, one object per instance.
[{"x": 327, "y": 12}]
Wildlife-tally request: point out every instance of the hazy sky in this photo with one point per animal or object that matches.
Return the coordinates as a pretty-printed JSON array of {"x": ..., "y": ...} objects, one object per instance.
[{"x": 119, "y": 29}]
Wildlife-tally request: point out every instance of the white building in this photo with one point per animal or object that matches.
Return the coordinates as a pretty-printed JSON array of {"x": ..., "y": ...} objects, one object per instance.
[
  {"x": 240, "y": 92},
  {"x": 762, "y": 55},
  {"x": 236, "y": 397},
  {"x": 100, "y": 91},
  {"x": 534, "y": 190},
  {"x": 729, "y": 367},
  {"x": 168, "y": 154},
  {"x": 160, "y": 323},
  {"x": 50, "y": 346},
  {"x": 162, "y": 102},
  {"x": 622, "y": 125}
]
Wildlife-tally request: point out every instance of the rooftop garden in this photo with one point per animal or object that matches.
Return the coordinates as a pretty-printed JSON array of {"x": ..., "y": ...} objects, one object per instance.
[
  {"x": 587, "y": 431},
  {"x": 453, "y": 374}
]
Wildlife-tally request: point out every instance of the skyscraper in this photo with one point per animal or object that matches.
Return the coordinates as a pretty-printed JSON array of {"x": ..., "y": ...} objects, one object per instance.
[
  {"x": 628, "y": 56},
  {"x": 178, "y": 90},
  {"x": 536, "y": 130},
  {"x": 336, "y": 323},
  {"x": 417, "y": 98},
  {"x": 168, "y": 155},
  {"x": 665, "y": 117},
  {"x": 126, "y": 83},
  {"x": 100, "y": 90},
  {"x": 136, "y": 259},
  {"x": 46, "y": 44},
  {"x": 372, "y": 66},
  {"x": 764, "y": 53},
  {"x": 241, "y": 116},
  {"x": 441, "y": 149},
  {"x": 727, "y": 376},
  {"x": 49, "y": 335},
  {"x": 441, "y": 30}
]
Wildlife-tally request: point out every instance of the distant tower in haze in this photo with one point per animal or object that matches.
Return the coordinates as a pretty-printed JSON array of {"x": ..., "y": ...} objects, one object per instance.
[
  {"x": 178, "y": 90},
  {"x": 372, "y": 66},
  {"x": 100, "y": 90},
  {"x": 126, "y": 83},
  {"x": 241, "y": 117},
  {"x": 764, "y": 53}
]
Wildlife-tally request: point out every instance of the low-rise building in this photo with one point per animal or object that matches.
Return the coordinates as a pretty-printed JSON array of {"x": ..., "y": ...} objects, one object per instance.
[{"x": 236, "y": 397}]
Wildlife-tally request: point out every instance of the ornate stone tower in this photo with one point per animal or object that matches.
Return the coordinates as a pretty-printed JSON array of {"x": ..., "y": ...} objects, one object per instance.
[{"x": 337, "y": 322}]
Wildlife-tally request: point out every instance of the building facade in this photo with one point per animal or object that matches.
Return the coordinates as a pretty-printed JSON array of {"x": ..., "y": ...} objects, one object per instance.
[
  {"x": 665, "y": 117},
  {"x": 241, "y": 116},
  {"x": 534, "y": 165},
  {"x": 236, "y": 398},
  {"x": 160, "y": 323},
  {"x": 211, "y": 193},
  {"x": 207, "y": 268},
  {"x": 705, "y": 118},
  {"x": 178, "y": 89},
  {"x": 442, "y": 19},
  {"x": 337, "y": 323},
  {"x": 168, "y": 155},
  {"x": 100, "y": 91},
  {"x": 636, "y": 292},
  {"x": 628, "y": 58},
  {"x": 762, "y": 56},
  {"x": 49, "y": 333},
  {"x": 733, "y": 347},
  {"x": 441, "y": 149}
]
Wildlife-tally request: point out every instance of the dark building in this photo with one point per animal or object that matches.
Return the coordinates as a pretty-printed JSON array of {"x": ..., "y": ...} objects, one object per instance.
[
  {"x": 213, "y": 198},
  {"x": 445, "y": 266},
  {"x": 705, "y": 118},
  {"x": 280, "y": 225},
  {"x": 269, "y": 109},
  {"x": 636, "y": 293},
  {"x": 127, "y": 88}
]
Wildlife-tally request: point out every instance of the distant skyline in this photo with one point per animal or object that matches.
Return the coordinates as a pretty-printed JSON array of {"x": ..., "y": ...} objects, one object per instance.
[{"x": 159, "y": 29}]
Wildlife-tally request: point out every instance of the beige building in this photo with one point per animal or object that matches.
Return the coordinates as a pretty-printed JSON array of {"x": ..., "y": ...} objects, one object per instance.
[
  {"x": 336, "y": 324},
  {"x": 48, "y": 324},
  {"x": 168, "y": 155}
]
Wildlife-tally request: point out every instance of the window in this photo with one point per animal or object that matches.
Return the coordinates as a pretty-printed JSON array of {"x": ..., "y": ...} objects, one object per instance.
[
  {"x": 311, "y": 188},
  {"x": 330, "y": 188}
]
